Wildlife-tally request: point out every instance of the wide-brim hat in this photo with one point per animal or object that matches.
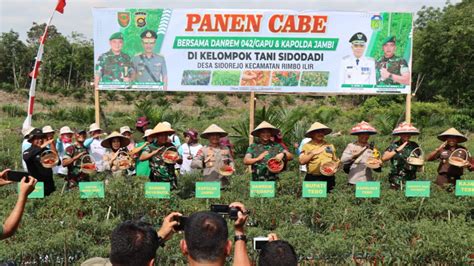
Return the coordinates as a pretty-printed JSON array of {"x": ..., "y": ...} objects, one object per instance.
[
  {"x": 213, "y": 129},
  {"x": 27, "y": 131},
  {"x": 147, "y": 133},
  {"x": 107, "y": 142},
  {"x": 317, "y": 127},
  {"x": 405, "y": 128},
  {"x": 47, "y": 129},
  {"x": 452, "y": 132},
  {"x": 363, "y": 128},
  {"x": 94, "y": 127},
  {"x": 162, "y": 128},
  {"x": 125, "y": 129},
  {"x": 265, "y": 125},
  {"x": 36, "y": 132},
  {"x": 65, "y": 130}
]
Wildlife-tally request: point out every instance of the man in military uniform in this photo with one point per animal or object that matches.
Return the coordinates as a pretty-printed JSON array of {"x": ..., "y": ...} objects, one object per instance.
[
  {"x": 114, "y": 65},
  {"x": 72, "y": 160},
  {"x": 149, "y": 66},
  {"x": 391, "y": 69},
  {"x": 356, "y": 68}
]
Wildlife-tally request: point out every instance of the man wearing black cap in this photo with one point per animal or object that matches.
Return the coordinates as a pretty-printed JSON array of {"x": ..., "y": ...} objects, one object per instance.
[
  {"x": 392, "y": 69},
  {"x": 32, "y": 157},
  {"x": 149, "y": 66},
  {"x": 356, "y": 68}
]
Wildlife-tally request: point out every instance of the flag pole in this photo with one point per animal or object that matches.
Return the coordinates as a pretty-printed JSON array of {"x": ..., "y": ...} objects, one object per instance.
[{"x": 34, "y": 74}]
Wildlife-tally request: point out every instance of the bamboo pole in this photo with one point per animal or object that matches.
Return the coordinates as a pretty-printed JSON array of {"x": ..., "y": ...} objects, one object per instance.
[
  {"x": 408, "y": 109},
  {"x": 97, "y": 106}
]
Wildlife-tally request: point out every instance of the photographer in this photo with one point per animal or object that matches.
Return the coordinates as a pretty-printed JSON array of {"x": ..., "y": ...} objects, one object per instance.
[
  {"x": 134, "y": 243},
  {"x": 206, "y": 238},
  {"x": 277, "y": 252},
  {"x": 13, "y": 221}
]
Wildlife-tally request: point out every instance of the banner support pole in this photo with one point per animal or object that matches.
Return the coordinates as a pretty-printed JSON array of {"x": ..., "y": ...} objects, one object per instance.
[
  {"x": 97, "y": 106},
  {"x": 252, "y": 116},
  {"x": 408, "y": 109}
]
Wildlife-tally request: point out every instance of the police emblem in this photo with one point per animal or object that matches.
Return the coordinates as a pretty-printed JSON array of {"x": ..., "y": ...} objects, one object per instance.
[
  {"x": 376, "y": 22},
  {"x": 123, "y": 19},
  {"x": 140, "y": 19}
]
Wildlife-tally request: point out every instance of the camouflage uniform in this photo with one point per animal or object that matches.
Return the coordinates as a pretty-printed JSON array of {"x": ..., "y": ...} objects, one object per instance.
[
  {"x": 400, "y": 170},
  {"x": 161, "y": 171},
  {"x": 395, "y": 65},
  {"x": 259, "y": 169},
  {"x": 74, "y": 173},
  {"x": 113, "y": 68}
]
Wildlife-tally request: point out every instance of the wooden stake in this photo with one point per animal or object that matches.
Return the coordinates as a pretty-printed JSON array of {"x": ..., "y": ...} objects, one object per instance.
[
  {"x": 97, "y": 106},
  {"x": 252, "y": 116},
  {"x": 108, "y": 212},
  {"x": 408, "y": 109}
]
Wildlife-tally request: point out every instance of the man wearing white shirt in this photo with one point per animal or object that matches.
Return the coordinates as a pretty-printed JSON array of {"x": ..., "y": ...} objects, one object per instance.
[
  {"x": 96, "y": 150},
  {"x": 356, "y": 68}
]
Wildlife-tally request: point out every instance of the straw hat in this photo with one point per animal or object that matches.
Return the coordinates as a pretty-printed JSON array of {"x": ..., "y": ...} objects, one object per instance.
[
  {"x": 125, "y": 129},
  {"x": 405, "y": 128},
  {"x": 317, "y": 127},
  {"x": 363, "y": 128},
  {"x": 265, "y": 125},
  {"x": 452, "y": 132},
  {"x": 162, "y": 128},
  {"x": 213, "y": 129},
  {"x": 65, "y": 130},
  {"x": 107, "y": 142},
  {"x": 48, "y": 129},
  {"x": 94, "y": 127},
  {"x": 148, "y": 132},
  {"x": 27, "y": 131}
]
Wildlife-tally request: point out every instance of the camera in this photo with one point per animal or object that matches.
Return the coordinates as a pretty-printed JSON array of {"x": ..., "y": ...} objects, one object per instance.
[
  {"x": 259, "y": 242},
  {"x": 225, "y": 210},
  {"x": 181, "y": 223}
]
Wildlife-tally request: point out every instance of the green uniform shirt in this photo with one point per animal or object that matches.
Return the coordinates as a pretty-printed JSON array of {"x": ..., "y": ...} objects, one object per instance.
[
  {"x": 160, "y": 171},
  {"x": 111, "y": 67},
  {"x": 259, "y": 169},
  {"x": 400, "y": 170},
  {"x": 149, "y": 69},
  {"x": 395, "y": 65},
  {"x": 142, "y": 167},
  {"x": 74, "y": 169}
]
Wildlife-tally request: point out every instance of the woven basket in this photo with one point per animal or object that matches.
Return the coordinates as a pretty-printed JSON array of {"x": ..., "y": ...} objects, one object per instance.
[
  {"x": 274, "y": 161},
  {"x": 373, "y": 163},
  {"x": 49, "y": 159},
  {"x": 88, "y": 165},
  {"x": 459, "y": 159},
  {"x": 170, "y": 155},
  {"x": 329, "y": 168},
  {"x": 124, "y": 161},
  {"x": 226, "y": 170},
  {"x": 416, "y": 159}
]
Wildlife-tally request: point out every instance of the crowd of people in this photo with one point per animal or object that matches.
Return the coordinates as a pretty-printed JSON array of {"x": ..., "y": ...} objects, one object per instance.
[{"x": 162, "y": 157}]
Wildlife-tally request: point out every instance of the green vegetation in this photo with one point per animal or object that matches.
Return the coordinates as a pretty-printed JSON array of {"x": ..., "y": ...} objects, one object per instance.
[{"x": 225, "y": 78}]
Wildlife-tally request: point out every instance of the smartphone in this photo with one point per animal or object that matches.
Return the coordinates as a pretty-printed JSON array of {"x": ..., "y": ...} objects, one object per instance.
[
  {"x": 181, "y": 223},
  {"x": 16, "y": 176},
  {"x": 220, "y": 208},
  {"x": 259, "y": 242}
]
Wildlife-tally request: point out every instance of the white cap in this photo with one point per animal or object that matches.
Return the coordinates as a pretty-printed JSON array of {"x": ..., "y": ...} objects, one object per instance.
[
  {"x": 65, "y": 130},
  {"x": 48, "y": 129},
  {"x": 125, "y": 129}
]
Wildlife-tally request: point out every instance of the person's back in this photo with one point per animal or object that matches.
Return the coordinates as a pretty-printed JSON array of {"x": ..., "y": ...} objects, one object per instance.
[{"x": 277, "y": 253}]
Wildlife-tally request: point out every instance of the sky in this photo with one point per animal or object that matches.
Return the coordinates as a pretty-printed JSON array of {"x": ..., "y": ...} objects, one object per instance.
[{"x": 20, "y": 14}]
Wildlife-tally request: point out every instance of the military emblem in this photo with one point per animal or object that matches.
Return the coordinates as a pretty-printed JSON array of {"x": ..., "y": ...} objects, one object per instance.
[
  {"x": 376, "y": 22},
  {"x": 140, "y": 19},
  {"x": 123, "y": 19}
]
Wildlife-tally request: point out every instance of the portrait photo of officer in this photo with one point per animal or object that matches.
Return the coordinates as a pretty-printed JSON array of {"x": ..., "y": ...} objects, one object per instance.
[
  {"x": 149, "y": 66},
  {"x": 356, "y": 68},
  {"x": 113, "y": 65},
  {"x": 392, "y": 69}
]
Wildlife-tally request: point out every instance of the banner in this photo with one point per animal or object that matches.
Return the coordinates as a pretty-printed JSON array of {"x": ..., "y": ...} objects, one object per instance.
[{"x": 233, "y": 50}]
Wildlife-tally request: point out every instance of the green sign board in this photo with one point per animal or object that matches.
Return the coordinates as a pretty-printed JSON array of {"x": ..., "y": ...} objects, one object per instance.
[
  {"x": 465, "y": 188},
  {"x": 208, "y": 190},
  {"x": 369, "y": 189},
  {"x": 417, "y": 189},
  {"x": 91, "y": 190},
  {"x": 157, "y": 190},
  {"x": 38, "y": 193},
  {"x": 314, "y": 189},
  {"x": 262, "y": 189}
]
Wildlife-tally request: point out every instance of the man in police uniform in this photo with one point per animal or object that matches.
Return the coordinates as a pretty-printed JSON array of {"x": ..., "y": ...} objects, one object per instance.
[
  {"x": 148, "y": 66},
  {"x": 356, "y": 68},
  {"x": 391, "y": 69},
  {"x": 114, "y": 65}
]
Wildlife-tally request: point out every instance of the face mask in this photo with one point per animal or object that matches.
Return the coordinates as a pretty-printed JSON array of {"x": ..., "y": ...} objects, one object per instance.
[{"x": 64, "y": 139}]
